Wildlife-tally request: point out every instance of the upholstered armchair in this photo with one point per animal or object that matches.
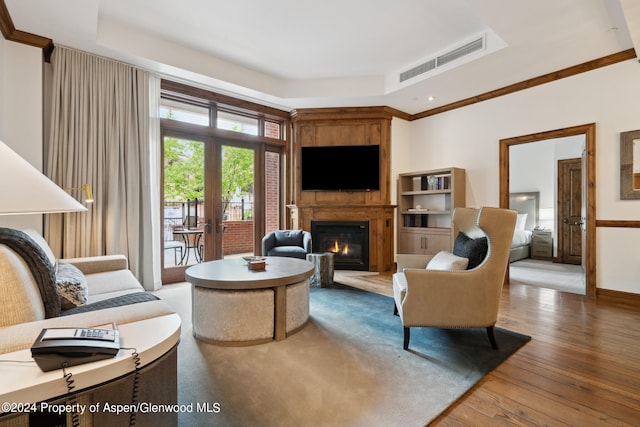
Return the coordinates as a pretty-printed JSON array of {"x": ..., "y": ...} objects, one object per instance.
[
  {"x": 430, "y": 291},
  {"x": 287, "y": 243}
]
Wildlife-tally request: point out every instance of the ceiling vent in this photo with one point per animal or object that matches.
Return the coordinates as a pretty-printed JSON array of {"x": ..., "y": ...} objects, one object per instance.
[
  {"x": 416, "y": 71},
  {"x": 445, "y": 58}
]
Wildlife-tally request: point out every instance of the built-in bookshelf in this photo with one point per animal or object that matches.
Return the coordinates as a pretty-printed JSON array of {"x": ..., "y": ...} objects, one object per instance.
[{"x": 426, "y": 201}]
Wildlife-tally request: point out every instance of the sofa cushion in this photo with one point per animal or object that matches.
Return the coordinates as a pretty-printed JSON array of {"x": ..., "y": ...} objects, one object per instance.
[
  {"x": 19, "y": 297},
  {"x": 72, "y": 286},
  {"x": 474, "y": 249},
  {"x": 288, "y": 251},
  {"x": 39, "y": 266},
  {"x": 21, "y": 336},
  {"x": 128, "y": 299},
  {"x": 289, "y": 237},
  {"x": 111, "y": 284},
  {"x": 447, "y": 261}
]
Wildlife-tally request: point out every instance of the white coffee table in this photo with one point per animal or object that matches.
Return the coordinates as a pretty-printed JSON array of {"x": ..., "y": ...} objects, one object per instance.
[{"x": 233, "y": 305}]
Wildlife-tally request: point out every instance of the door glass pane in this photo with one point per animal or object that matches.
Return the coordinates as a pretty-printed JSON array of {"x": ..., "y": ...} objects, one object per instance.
[
  {"x": 272, "y": 191},
  {"x": 183, "y": 205},
  {"x": 237, "y": 201}
]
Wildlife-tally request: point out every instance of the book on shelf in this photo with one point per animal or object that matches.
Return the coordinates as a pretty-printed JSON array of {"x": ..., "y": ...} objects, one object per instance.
[{"x": 435, "y": 182}]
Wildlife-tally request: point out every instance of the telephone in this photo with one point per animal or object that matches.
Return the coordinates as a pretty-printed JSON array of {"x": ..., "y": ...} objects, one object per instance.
[{"x": 58, "y": 347}]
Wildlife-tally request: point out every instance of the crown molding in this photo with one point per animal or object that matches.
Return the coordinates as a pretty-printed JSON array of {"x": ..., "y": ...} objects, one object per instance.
[
  {"x": 10, "y": 33},
  {"x": 536, "y": 81}
]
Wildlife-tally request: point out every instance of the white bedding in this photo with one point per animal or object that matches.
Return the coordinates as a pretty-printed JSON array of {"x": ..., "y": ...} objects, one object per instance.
[{"x": 521, "y": 238}]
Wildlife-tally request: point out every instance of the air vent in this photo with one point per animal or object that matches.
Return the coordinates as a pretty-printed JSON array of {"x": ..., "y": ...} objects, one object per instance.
[
  {"x": 416, "y": 71},
  {"x": 465, "y": 50},
  {"x": 445, "y": 58}
]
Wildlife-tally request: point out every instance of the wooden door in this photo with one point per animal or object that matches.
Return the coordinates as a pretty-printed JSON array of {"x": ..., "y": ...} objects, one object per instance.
[{"x": 570, "y": 211}]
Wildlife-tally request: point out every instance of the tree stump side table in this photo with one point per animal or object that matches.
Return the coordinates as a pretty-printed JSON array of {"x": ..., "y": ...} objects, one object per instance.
[{"x": 322, "y": 269}]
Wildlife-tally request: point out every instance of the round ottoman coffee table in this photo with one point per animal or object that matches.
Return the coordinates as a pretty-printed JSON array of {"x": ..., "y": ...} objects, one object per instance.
[{"x": 233, "y": 305}]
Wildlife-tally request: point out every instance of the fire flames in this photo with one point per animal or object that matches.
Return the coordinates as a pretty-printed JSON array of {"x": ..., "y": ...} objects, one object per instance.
[{"x": 338, "y": 250}]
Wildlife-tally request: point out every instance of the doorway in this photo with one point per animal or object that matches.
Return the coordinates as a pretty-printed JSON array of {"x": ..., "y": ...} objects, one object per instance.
[
  {"x": 208, "y": 201},
  {"x": 587, "y": 202}
]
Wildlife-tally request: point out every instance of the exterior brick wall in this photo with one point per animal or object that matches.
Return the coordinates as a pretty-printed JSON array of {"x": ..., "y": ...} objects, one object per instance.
[
  {"x": 238, "y": 237},
  {"x": 272, "y": 191}
]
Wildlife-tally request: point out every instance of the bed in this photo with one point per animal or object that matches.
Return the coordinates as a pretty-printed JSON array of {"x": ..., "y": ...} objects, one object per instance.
[{"x": 527, "y": 206}]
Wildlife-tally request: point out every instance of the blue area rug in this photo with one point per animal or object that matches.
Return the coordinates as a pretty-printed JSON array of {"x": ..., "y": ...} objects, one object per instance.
[{"x": 345, "y": 368}]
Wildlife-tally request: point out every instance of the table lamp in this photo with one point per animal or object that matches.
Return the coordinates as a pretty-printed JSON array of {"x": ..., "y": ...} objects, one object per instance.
[{"x": 26, "y": 190}]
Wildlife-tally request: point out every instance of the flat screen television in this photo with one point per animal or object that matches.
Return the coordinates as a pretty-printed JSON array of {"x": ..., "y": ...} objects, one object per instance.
[{"x": 340, "y": 168}]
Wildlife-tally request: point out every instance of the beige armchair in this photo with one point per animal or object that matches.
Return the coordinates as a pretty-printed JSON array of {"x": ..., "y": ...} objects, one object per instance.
[{"x": 463, "y": 298}]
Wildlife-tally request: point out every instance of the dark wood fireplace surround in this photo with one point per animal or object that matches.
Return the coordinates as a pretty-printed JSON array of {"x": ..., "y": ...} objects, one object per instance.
[{"x": 345, "y": 126}]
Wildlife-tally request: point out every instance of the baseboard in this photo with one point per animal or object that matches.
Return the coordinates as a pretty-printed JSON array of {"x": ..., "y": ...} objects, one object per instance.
[{"x": 625, "y": 299}]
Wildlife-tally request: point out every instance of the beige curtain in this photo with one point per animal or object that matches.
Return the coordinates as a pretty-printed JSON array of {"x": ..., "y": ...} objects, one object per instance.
[{"x": 100, "y": 134}]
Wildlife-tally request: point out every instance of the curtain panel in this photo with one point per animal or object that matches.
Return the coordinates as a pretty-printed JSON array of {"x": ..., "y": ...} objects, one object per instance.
[{"x": 103, "y": 132}]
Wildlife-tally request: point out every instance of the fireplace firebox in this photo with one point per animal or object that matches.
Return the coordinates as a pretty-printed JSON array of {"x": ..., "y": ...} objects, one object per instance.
[{"x": 348, "y": 240}]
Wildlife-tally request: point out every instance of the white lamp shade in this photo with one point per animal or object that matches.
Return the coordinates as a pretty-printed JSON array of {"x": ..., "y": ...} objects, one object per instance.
[{"x": 26, "y": 190}]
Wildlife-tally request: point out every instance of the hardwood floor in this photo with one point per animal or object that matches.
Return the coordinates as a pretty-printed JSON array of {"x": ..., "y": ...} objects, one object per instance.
[{"x": 581, "y": 367}]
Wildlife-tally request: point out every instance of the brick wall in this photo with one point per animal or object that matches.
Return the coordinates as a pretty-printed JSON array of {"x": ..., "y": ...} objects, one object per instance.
[
  {"x": 272, "y": 192},
  {"x": 238, "y": 237}
]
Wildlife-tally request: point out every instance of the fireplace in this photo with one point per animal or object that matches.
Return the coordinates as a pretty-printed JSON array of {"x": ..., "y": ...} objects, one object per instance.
[{"x": 348, "y": 240}]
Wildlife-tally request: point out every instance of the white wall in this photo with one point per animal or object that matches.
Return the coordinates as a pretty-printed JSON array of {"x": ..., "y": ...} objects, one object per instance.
[
  {"x": 400, "y": 159},
  {"x": 469, "y": 138},
  {"x": 21, "y": 112}
]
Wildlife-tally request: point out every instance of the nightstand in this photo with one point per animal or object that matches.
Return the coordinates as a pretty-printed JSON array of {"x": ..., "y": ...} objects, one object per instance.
[{"x": 542, "y": 244}]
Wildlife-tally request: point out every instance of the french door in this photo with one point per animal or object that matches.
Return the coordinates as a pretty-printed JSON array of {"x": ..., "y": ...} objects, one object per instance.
[{"x": 207, "y": 201}]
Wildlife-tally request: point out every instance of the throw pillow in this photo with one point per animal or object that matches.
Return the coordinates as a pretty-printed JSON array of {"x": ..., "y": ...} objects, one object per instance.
[
  {"x": 72, "y": 286},
  {"x": 474, "y": 249},
  {"x": 447, "y": 261}
]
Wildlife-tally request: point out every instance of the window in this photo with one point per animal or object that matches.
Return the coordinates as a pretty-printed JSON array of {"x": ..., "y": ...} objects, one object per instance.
[
  {"x": 183, "y": 112},
  {"x": 191, "y": 105},
  {"x": 237, "y": 123}
]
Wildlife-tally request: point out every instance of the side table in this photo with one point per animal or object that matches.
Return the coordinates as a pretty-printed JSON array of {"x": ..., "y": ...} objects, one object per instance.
[
  {"x": 542, "y": 244},
  {"x": 322, "y": 269}
]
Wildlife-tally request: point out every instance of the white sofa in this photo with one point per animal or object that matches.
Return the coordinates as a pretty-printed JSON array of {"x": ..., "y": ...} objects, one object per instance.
[
  {"x": 114, "y": 295},
  {"x": 23, "y": 312}
]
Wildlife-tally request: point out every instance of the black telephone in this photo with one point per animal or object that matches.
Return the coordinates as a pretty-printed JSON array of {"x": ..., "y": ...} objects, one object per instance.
[{"x": 58, "y": 347}]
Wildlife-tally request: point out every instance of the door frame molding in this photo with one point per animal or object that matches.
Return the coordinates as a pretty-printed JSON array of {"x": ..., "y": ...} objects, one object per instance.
[{"x": 589, "y": 131}]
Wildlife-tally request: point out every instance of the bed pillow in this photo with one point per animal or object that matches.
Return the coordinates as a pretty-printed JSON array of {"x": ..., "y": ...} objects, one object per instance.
[
  {"x": 521, "y": 221},
  {"x": 447, "y": 261},
  {"x": 473, "y": 249},
  {"x": 72, "y": 286}
]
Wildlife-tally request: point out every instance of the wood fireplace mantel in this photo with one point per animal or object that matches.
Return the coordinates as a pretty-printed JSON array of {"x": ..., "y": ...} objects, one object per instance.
[
  {"x": 345, "y": 126},
  {"x": 380, "y": 218}
]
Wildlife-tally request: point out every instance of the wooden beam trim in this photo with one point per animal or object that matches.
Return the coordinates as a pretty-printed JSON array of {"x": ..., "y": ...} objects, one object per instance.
[
  {"x": 617, "y": 223},
  {"x": 10, "y": 33},
  {"x": 620, "y": 298},
  {"x": 341, "y": 113},
  {"x": 536, "y": 81},
  {"x": 6, "y": 23}
]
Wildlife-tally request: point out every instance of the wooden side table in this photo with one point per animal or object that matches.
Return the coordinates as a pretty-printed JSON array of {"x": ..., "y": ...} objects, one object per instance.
[
  {"x": 542, "y": 244},
  {"x": 322, "y": 269}
]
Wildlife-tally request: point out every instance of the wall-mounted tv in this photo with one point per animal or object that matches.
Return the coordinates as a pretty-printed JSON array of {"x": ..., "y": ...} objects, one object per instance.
[{"x": 340, "y": 168}]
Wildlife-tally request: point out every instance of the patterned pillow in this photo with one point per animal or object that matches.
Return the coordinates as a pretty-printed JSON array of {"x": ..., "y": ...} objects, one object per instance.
[{"x": 72, "y": 286}]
